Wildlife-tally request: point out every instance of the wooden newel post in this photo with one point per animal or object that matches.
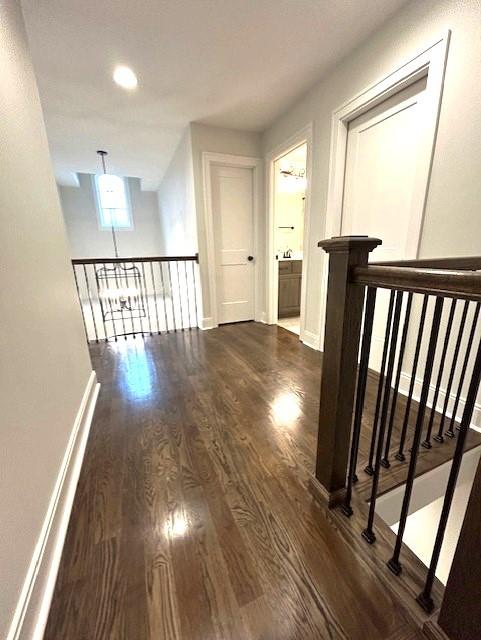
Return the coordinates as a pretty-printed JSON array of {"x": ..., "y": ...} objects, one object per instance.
[{"x": 339, "y": 363}]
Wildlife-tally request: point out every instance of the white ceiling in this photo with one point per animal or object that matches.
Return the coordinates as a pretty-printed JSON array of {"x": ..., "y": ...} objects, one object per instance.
[{"x": 230, "y": 63}]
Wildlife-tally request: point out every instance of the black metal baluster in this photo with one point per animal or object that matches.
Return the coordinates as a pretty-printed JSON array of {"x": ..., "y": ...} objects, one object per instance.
[
  {"x": 194, "y": 281},
  {"x": 141, "y": 302},
  {"x": 146, "y": 297},
  {"x": 368, "y": 533},
  {"x": 394, "y": 564},
  {"x": 450, "y": 431},
  {"x": 129, "y": 300},
  {"x": 188, "y": 297},
  {"x": 121, "y": 304},
  {"x": 180, "y": 296},
  {"x": 369, "y": 308},
  {"x": 172, "y": 296},
  {"x": 424, "y": 598},
  {"x": 439, "y": 436},
  {"x": 385, "y": 461},
  {"x": 163, "y": 296},
  {"x": 155, "y": 297},
  {"x": 400, "y": 454},
  {"x": 101, "y": 301},
  {"x": 110, "y": 305},
  {"x": 427, "y": 442},
  {"x": 80, "y": 302},
  {"x": 90, "y": 303},
  {"x": 369, "y": 468}
]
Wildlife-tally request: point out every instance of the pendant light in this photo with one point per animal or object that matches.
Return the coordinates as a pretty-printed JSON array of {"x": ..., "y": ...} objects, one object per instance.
[
  {"x": 119, "y": 283},
  {"x": 102, "y": 155}
]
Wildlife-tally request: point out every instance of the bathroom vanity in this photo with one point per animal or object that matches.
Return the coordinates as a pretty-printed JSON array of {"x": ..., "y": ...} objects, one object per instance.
[{"x": 290, "y": 276}]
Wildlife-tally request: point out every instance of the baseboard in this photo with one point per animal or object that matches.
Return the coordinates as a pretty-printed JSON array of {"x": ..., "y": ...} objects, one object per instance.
[
  {"x": 32, "y": 609},
  {"x": 207, "y": 323},
  {"x": 322, "y": 495},
  {"x": 404, "y": 389},
  {"x": 310, "y": 339}
]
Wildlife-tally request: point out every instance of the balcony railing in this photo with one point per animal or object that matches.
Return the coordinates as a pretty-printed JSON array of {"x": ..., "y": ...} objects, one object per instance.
[{"x": 143, "y": 296}]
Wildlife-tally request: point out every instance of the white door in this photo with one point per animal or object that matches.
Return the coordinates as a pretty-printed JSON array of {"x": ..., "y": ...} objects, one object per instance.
[
  {"x": 379, "y": 184},
  {"x": 233, "y": 214}
]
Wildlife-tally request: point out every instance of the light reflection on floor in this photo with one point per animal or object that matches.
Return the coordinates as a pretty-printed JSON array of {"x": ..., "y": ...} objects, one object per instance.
[
  {"x": 176, "y": 526},
  {"x": 137, "y": 370},
  {"x": 286, "y": 408}
]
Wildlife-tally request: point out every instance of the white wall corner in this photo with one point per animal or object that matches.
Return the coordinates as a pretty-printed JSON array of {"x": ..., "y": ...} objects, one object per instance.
[
  {"x": 207, "y": 323},
  {"x": 310, "y": 339},
  {"x": 31, "y": 613}
]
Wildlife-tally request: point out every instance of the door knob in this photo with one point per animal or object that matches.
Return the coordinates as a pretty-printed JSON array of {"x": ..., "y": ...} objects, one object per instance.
[{"x": 250, "y": 258}]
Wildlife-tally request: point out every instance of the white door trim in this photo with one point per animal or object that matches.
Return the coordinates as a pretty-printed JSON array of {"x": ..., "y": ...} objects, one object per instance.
[
  {"x": 210, "y": 158},
  {"x": 430, "y": 62},
  {"x": 304, "y": 135}
]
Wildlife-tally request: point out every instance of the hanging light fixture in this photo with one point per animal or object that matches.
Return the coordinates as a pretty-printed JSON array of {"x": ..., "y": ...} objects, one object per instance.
[
  {"x": 293, "y": 179},
  {"x": 120, "y": 284},
  {"x": 104, "y": 181}
]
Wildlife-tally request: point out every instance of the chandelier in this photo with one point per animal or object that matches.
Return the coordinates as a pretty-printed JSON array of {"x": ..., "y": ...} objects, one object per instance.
[{"x": 119, "y": 283}]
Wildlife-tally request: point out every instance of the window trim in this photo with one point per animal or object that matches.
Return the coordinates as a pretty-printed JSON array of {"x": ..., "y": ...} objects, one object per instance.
[{"x": 98, "y": 207}]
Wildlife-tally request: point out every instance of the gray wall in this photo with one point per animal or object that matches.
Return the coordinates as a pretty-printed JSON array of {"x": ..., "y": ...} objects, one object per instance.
[
  {"x": 219, "y": 140},
  {"x": 44, "y": 360},
  {"x": 453, "y": 216},
  {"x": 181, "y": 193},
  {"x": 88, "y": 240},
  {"x": 176, "y": 202}
]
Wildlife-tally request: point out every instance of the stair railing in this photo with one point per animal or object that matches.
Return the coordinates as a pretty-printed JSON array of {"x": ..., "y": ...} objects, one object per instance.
[{"x": 434, "y": 308}]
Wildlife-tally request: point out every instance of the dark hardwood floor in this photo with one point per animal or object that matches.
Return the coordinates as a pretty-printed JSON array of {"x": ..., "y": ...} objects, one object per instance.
[{"x": 192, "y": 519}]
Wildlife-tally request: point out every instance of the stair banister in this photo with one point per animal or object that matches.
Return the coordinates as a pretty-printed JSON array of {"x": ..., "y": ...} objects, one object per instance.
[{"x": 339, "y": 365}]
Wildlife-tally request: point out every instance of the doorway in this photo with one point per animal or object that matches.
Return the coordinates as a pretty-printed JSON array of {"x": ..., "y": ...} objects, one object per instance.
[
  {"x": 382, "y": 144},
  {"x": 232, "y": 188},
  {"x": 290, "y": 183},
  {"x": 379, "y": 182},
  {"x": 233, "y": 214}
]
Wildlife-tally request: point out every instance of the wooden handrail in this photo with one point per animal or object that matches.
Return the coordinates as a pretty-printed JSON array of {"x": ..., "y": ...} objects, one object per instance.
[
  {"x": 345, "y": 368},
  {"x": 463, "y": 263},
  {"x": 136, "y": 259},
  {"x": 451, "y": 284}
]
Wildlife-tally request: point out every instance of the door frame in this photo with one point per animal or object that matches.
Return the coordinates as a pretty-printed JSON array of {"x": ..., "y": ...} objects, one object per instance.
[
  {"x": 430, "y": 63},
  {"x": 210, "y": 158},
  {"x": 303, "y": 136}
]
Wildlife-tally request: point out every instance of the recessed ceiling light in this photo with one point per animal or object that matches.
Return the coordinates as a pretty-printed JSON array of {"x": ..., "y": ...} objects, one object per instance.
[{"x": 125, "y": 77}]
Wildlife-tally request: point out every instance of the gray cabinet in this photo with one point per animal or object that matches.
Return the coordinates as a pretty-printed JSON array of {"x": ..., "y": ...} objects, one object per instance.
[{"x": 290, "y": 275}]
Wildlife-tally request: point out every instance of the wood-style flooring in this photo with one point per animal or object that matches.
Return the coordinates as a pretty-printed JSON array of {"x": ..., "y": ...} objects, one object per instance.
[{"x": 192, "y": 520}]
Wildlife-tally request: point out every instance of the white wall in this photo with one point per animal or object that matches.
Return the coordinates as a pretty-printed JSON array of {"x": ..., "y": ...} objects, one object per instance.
[
  {"x": 453, "y": 216},
  {"x": 176, "y": 202},
  {"x": 289, "y": 212},
  {"x": 228, "y": 141},
  {"x": 44, "y": 360},
  {"x": 289, "y": 201},
  {"x": 88, "y": 240}
]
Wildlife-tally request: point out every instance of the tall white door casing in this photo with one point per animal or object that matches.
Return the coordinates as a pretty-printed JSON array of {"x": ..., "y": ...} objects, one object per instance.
[{"x": 380, "y": 184}]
